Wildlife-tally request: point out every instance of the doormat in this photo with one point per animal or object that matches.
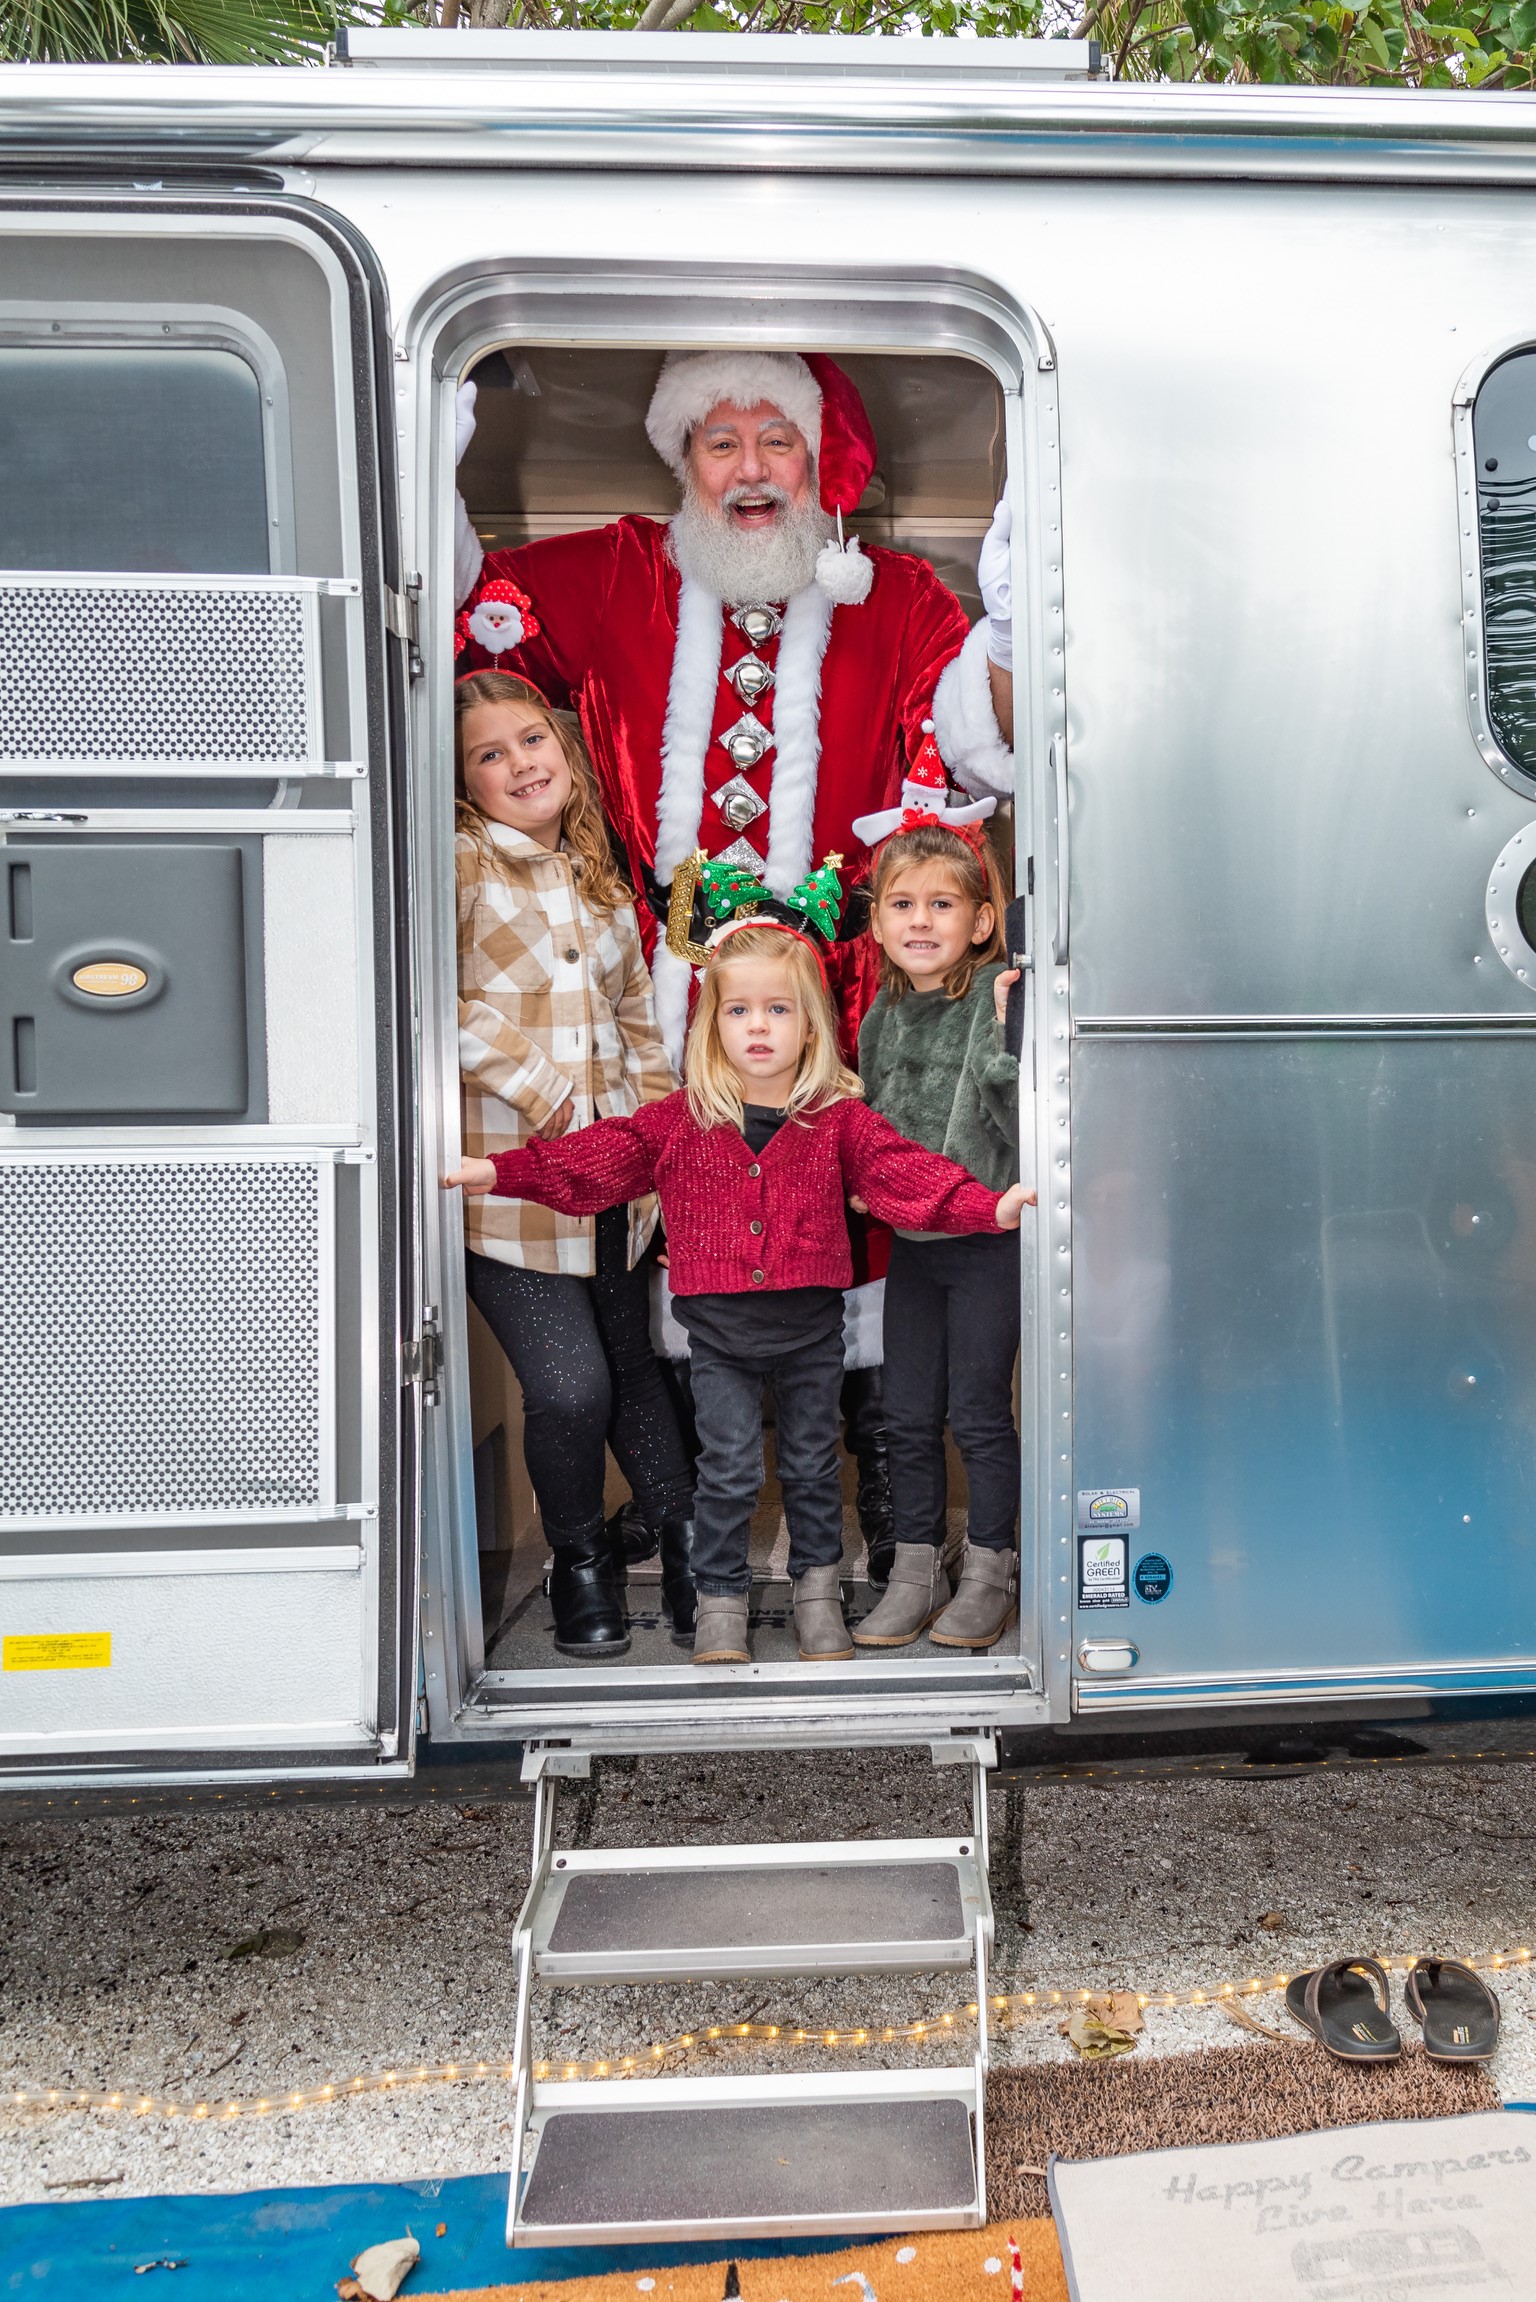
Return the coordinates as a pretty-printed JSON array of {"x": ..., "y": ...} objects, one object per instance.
[
  {"x": 1215, "y": 2094},
  {"x": 924, "y": 2266},
  {"x": 1423, "y": 2210}
]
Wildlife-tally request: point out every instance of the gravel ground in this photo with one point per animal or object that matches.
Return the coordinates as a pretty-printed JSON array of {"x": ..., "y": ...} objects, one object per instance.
[{"x": 381, "y": 1941}]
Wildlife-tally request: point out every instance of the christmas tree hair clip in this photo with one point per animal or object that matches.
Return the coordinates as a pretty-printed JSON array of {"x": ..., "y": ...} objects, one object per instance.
[{"x": 709, "y": 897}]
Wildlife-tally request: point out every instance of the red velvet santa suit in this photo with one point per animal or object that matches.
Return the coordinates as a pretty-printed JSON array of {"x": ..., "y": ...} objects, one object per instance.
[{"x": 852, "y": 688}]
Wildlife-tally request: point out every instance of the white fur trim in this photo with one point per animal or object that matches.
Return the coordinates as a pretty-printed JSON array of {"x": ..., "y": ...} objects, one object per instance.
[
  {"x": 797, "y": 738},
  {"x": 672, "y": 981},
  {"x": 965, "y": 725},
  {"x": 685, "y": 734},
  {"x": 844, "y": 574},
  {"x": 691, "y": 383},
  {"x": 864, "y": 1325}
]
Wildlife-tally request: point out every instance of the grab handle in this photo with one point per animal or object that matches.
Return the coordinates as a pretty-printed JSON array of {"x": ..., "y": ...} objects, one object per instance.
[{"x": 1061, "y": 943}]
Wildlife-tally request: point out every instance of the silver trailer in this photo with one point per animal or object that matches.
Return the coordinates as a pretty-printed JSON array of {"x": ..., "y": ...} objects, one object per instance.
[{"x": 1258, "y": 372}]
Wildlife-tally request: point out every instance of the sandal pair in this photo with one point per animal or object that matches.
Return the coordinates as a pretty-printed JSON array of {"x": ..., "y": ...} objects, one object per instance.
[{"x": 1347, "y": 2006}]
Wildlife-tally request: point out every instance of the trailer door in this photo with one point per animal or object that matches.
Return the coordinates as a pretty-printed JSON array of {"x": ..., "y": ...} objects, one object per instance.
[{"x": 206, "y": 1453}]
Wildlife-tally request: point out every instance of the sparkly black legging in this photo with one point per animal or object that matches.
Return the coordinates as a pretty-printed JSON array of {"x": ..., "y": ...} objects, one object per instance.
[{"x": 581, "y": 1349}]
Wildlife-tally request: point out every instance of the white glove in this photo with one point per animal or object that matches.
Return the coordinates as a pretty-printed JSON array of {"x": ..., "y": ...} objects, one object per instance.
[
  {"x": 463, "y": 419},
  {"x": 468, "y": 556},
  {"x": 994, "y": 574}
]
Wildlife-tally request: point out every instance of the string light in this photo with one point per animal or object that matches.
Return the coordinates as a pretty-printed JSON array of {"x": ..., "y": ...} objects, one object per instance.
[{"x": 1004, "y": 2011}]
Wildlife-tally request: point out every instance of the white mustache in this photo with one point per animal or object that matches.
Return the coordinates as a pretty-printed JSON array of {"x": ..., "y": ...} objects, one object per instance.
[{"x": 742, "y": 494}]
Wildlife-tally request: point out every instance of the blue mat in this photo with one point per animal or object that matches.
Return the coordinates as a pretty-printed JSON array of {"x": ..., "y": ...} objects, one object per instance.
[{"x": 293, "y": 2245}]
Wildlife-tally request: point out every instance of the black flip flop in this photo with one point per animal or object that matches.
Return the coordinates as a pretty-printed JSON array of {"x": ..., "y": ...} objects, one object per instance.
[
  {"x": 1458, "y": 2011},
  {"x": 1339, "y": 2005}
]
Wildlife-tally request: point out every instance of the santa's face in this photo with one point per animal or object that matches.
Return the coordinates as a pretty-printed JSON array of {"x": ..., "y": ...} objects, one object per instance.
[
  {"x": 926, "y": 924},
  {"x": 749, "y": 466},
  {"x": 514, "y": 769}
]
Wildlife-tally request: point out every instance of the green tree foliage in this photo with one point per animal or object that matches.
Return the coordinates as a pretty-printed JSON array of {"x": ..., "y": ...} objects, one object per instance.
[{"x": 164, "y": 31}]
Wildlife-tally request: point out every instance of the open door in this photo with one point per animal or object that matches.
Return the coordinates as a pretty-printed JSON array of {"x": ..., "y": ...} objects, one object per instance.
[{"x": 207, "y": 1323}]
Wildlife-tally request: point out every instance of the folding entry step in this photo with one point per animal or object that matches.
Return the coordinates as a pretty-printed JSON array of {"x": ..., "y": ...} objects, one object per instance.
[
  {"x": 664, "y": 2158},
  {"x": 666, "y": 1914},
  {"x": 750, "y": 2154}
]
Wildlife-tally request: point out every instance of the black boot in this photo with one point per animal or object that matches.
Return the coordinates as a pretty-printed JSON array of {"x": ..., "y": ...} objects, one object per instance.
[
  {"x": 629, "y": 1539},
  {"x": 863, "y": 1405},
  {"x": 678, "y": 1595},
  {"x": 589, "y": 1620}
]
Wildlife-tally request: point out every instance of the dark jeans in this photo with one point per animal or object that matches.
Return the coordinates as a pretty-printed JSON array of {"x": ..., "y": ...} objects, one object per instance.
[
  {"x": 951, "y": 1338},
  {"x": 728, "y": 1401},
  {"x": 581, "y": 1349}
]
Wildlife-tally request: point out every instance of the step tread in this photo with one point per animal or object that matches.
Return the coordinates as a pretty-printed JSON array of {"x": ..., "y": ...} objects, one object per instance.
[
  {"x": 772, "y": 1907},
  {"x": 889, "y": 2162}
]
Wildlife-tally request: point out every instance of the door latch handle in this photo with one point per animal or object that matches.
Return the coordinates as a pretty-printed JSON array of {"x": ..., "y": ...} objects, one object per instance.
[{"x": 1061, "y": 943}]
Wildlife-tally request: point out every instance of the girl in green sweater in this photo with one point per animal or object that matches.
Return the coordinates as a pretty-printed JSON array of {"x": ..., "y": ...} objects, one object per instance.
[{"x": 932, "y": 1060}]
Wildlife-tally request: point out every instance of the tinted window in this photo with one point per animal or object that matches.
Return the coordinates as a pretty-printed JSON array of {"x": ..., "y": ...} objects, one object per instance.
[
  {"x": 132, "y": 459},
  {"x": 1504, "y": 443}
]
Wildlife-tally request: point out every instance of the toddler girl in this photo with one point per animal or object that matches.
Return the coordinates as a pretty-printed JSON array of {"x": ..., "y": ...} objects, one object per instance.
[
  {"x": 754, "y": 1162},
  {"x": 556, "y": 1030},
  {"x": 932, "y": 1059}
]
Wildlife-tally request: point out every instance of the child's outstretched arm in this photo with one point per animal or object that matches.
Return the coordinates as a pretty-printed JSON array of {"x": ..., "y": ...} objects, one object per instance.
[
  {"x": 918, "y": 1190},
  {"x": 599, "y": 1166}
]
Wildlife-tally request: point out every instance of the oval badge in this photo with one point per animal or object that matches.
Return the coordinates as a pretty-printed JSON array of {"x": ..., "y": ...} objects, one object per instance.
[{"x": 109, "y": 978}]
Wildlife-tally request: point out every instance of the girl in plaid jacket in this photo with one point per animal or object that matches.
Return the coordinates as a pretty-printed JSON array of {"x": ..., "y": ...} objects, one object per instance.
[{"x": 557, "y": 1029}]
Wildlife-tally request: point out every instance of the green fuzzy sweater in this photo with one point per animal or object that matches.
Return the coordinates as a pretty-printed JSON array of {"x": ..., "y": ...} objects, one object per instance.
[{"x": 936, "y": 1068}]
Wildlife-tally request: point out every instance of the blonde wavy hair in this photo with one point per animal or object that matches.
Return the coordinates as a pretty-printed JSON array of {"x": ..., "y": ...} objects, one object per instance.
[
  {"x": 714, "y": 1091},
  {"x": 583, "y": 826}
]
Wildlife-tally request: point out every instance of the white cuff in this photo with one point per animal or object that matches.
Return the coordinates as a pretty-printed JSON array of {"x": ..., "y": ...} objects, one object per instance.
[
  {"x": 970, "y": 741},
  {"x": 1000, "y": 641},
  {"x": 468, "y": 555}
]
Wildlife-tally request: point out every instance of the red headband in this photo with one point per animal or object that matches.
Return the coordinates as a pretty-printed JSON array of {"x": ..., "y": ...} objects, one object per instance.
[{"x": 780, "y": 927}]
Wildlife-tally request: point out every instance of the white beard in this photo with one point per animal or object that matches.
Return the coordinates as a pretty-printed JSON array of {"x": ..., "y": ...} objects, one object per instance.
[{"x": 744, "y": 567}]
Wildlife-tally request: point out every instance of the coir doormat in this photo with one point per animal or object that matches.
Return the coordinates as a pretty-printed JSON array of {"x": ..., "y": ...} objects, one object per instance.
[{"x": 1422, "y": 2210}]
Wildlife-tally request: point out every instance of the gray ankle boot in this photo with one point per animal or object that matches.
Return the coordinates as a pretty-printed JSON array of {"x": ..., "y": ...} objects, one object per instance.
[
  {"x": 984, "y": 1605},
  {"x": 720, "y": 1633},
  {"x": 917, "y": 1590},
  {"x": 820, "y": 1631}
]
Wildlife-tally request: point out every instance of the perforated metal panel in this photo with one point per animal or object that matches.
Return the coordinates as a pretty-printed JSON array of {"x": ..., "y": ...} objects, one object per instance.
[
  {"x": 158, "y": 672},
  {"x": 161, "y": 1333}
]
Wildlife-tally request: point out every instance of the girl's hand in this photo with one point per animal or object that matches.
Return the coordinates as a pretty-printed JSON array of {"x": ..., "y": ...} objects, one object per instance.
[
  {"x": 558, "y": 1121},
  {"x": 475, "y": 1177},
  {"x": 1011, "y": 1206},
  {"x": 1001, "y": 986},
  {"x": 859, "y": 1206}
]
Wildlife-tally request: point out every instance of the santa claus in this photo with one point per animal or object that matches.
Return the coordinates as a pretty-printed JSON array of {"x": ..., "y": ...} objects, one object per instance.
[{"x": 749, "y": 679}]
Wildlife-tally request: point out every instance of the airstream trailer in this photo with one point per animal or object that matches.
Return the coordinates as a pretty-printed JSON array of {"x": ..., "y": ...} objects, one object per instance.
[{"x": 1257, "y": 372}]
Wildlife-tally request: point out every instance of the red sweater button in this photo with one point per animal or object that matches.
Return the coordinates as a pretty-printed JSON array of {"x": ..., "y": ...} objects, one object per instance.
[
  {"x": 756, "y": 1230},
  {"x": 757, "y": 1278},
  {"x": 754, "y": 1169}
]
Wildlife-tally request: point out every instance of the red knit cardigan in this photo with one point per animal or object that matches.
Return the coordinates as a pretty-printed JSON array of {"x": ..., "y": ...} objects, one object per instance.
[{"x": 736, "y": 1222}]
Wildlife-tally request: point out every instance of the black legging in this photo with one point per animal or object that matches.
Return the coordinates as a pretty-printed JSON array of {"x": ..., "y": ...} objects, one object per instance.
[
  {"x": 952, "y": 1318},
  {"x": 581, "y": 1349}
]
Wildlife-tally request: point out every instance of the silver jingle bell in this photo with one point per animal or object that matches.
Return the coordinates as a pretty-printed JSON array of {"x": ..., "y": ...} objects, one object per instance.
[
  {"x": 757, "y": 624},
  {"x": 741, "y": 809},
  {"x": 746, "y": 742},
  {"x": 750, "y": 678}
]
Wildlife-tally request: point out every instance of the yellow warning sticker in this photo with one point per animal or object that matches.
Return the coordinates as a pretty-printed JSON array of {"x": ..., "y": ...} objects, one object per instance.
[{"x": 58, "y": 1651}]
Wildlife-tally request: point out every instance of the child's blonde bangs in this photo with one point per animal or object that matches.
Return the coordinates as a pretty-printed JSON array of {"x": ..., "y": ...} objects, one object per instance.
[{"x": 714, "y": 1092}]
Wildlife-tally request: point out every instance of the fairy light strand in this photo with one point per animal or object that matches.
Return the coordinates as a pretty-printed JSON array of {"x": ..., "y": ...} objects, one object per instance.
[{"x": 1003, "y": 2011}]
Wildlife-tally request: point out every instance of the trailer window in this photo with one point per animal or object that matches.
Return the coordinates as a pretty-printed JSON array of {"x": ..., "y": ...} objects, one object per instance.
[
  {"x": 1504, "y": 444},
  {"x": 132, "y": 458}
]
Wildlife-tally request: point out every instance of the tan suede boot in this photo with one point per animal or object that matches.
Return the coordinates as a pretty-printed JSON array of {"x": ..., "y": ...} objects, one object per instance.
[
  {"x": 917, "y": 1591},
  {"x": 984, "y": 1605},
  {"x": 720, "y": 1633},
  {"x": 820, "y": 1631}
]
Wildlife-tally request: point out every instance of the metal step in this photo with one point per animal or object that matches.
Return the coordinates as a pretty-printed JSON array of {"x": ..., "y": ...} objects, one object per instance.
[
  {"x": 752, "y": 2157},
  {"x": 663, "y": 1914}
]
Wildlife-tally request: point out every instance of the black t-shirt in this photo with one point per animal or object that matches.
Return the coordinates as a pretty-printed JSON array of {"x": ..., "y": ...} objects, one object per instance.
[{"x": 778, "y": 1320}]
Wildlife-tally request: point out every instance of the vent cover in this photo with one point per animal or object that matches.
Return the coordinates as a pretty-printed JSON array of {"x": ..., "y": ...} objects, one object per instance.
[
  {"x": 160, "y": 1336},
  {"x": 155, "y": 673}
]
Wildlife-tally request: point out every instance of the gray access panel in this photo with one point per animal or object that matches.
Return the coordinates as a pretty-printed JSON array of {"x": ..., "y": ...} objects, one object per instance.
[{"x": 131, "y": 980}]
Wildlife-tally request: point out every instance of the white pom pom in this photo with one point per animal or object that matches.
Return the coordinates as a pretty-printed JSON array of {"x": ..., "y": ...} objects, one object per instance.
[{"x": 845, "y": 576}]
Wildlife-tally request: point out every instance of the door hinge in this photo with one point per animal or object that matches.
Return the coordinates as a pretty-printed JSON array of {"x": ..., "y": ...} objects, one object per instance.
[
  {"x": 422, "y": 1358},
  {"x": 402, "y": 615}
]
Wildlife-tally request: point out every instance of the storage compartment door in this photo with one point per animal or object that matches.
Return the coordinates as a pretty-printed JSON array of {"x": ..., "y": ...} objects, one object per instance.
[{"x": 207, "y": 1457}]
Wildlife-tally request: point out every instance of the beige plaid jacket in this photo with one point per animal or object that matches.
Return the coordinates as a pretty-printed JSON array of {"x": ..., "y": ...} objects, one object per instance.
[{"x": 554, "y": 1001}]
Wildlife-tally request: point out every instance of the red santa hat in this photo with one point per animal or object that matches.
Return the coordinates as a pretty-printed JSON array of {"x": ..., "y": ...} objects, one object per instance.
[
  {"x": 925, "y": 800},
  {"x": 817, "y": 396}
]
